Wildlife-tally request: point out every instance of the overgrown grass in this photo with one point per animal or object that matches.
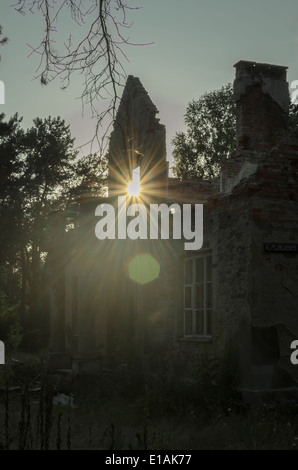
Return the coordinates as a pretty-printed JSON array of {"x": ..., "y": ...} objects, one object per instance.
[{"x": 130, "y": 408}]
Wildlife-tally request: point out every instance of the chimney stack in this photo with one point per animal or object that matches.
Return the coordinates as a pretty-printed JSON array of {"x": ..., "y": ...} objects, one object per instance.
[{"x": 262, "y": 105}]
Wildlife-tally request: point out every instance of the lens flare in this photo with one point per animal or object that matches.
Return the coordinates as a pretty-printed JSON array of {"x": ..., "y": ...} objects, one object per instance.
[{"x": 144, "y": 269}]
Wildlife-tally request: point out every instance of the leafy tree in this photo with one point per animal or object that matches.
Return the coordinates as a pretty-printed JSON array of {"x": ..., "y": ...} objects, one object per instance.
[
  {"x": 39, "y": 173},
  {"x": 91, "y": 175},
  {"x": 36, "y": 169},
  {"x": 47, "y": 157},
  {"x": 293, "y": 116},
  {"x": 10, "y": 216},
  {"x": 10, "y": 136},
  {"x": 210, "y": 136}
]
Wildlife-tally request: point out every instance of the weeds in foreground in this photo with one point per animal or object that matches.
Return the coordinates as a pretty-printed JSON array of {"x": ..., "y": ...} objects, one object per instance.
[
  {"x": 170, "y": 408},
  {"x": 29, "y": 417}
]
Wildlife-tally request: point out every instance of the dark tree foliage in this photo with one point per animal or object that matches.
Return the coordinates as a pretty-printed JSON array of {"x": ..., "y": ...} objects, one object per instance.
[
  {"x": 209, "y": 138},
  {"x": 293, "y": 121},
  {"x": 11, "y": 136},
  {"x": 91, "y": 175},
  {"x": 38, "y": 173}
]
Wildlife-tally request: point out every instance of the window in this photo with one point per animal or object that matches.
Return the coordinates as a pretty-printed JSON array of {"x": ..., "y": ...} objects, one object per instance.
[{"x": 198, "y": 296}]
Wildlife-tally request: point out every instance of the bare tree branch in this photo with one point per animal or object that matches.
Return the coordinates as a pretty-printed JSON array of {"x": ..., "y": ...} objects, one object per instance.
[
  {"x": 2, "y": 40},
  {"x": 97, "y": 53}
]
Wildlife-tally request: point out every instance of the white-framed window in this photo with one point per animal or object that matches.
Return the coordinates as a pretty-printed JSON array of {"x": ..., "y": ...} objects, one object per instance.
[{"x": 197, "y": 298}]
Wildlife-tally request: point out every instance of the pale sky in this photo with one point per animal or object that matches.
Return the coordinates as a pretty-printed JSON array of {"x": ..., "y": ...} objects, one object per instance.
[{"x": 196, "y": 44}]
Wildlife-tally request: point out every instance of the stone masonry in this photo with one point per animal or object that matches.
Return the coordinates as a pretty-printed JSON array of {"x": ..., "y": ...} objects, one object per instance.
[{"x": 102, "y": 314}]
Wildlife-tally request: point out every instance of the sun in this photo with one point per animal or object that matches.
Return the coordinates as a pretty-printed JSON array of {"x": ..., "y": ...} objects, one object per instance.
[{"x": 133, "y": 188}]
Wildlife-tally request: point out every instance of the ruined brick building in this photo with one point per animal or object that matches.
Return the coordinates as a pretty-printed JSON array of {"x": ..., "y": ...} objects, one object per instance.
[{"x": 131, "y": 297}]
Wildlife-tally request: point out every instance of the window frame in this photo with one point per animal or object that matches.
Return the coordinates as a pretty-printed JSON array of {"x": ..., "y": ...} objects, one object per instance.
[{"x": 206, "y": 335}]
